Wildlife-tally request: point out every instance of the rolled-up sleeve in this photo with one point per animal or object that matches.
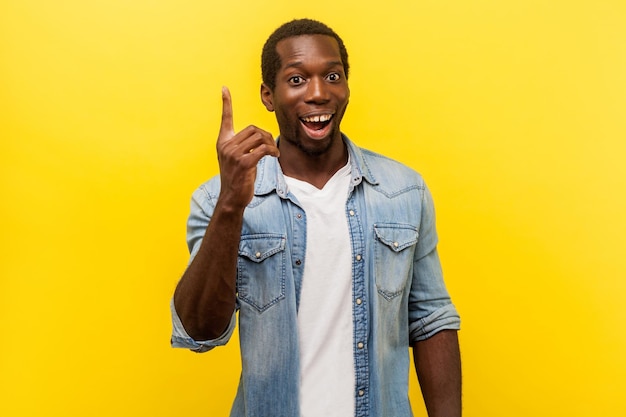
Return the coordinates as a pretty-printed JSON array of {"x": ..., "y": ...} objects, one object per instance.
[
  {"x": 430, "y": 307},
  {"x": 180, "y": 338}
]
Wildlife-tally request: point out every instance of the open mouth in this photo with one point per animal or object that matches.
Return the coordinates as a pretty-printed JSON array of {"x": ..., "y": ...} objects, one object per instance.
[{"x": 316, "y": 123}]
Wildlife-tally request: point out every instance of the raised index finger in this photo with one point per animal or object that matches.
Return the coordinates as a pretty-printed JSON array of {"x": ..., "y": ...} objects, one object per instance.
[{"x": 227, "y": 130}]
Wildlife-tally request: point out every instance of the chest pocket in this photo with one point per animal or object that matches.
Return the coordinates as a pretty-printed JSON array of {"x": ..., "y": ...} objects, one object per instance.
[
  {"x": 261, "y": 270},
  {"x": 393, "y": 257}
]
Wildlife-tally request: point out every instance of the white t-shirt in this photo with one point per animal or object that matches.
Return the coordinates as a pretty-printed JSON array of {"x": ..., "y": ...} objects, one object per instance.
[{"x": 325, "y": 324}]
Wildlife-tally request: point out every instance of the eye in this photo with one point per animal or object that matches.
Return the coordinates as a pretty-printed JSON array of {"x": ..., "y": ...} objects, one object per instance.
[
  {"x": 296, "y": 80},
  {"x": 333, "y": 76}
]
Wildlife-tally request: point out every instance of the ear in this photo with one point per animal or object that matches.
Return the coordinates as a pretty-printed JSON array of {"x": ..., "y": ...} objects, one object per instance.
[{"x": 267, "y": 97}]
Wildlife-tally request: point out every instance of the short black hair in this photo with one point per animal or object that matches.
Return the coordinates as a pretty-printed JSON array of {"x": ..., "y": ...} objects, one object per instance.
[{"x": 270, "y": 60}]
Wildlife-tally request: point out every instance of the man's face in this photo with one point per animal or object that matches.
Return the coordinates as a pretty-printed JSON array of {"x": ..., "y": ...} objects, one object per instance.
[{"x": 311, "y": 93}]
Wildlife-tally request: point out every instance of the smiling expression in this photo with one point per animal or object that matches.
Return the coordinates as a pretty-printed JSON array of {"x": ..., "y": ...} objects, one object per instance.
[{"x": 311, "y": 93}]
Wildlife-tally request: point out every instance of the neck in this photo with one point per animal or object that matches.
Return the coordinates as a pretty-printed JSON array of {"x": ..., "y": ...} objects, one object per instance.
[{"x": 314, "y": 169}]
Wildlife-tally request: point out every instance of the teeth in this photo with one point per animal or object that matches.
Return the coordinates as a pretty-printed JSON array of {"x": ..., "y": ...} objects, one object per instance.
[{"x": 317, "y": 119}]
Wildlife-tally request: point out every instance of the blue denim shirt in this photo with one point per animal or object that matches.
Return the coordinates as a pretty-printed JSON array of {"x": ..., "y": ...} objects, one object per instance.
[{"x": 399, "y": 296}]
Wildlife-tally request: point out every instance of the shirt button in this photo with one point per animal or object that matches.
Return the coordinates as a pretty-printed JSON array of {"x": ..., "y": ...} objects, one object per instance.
[
  {"x": 257, "y": 255},
  {"x": 358, "y": 301},
  {"x": 360, "y": 345},
  {"x": 351, "y": 212},
  {"x": 395, "y": 244},
  {"x": 361, "y": 393},
  {"x": 299, "y": 216},
  {"x": 298, "y": 262},
  {"x": 358, "y": 257}
]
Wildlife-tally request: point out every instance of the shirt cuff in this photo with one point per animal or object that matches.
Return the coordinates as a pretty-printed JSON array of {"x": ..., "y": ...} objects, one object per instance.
[
  {"x": 444, "y": 318},
  {"x": 180, "y": 338}
]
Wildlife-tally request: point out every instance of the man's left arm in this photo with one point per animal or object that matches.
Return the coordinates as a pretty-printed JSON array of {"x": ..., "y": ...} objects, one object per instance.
[
  {"x": 438, "y": 365},
  {"x": 433, "y": 324}
]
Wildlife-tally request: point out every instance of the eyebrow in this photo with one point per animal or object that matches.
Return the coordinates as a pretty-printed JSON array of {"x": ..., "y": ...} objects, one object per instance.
[{"x": 329, "y": 64}]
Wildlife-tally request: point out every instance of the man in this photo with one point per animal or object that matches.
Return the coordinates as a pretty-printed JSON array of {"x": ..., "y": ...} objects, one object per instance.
[{"x": 328, "y": 252}]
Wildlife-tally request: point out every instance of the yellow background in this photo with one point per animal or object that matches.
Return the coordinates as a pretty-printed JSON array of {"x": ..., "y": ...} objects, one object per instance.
[{"x": 514, "y": 111}]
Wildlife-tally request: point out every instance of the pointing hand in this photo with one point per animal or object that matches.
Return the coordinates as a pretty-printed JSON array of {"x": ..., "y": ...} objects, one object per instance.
[{"x": 238, "y": 155}]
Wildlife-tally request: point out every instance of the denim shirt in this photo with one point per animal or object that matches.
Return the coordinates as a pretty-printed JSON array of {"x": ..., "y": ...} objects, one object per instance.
[{"x": 399, "y": 296}]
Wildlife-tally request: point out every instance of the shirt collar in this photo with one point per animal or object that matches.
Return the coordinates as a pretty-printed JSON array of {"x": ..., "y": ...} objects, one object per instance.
[{"x": 270, "y": 176}]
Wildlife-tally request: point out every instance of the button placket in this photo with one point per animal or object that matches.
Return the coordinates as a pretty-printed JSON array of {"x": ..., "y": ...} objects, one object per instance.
[
  {"x": 299, "y": 216},
  {"x": 359, "y": 306}
]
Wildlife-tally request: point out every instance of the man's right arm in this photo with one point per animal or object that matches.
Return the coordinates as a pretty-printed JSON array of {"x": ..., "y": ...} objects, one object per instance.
[{"x": 205, "y": 296}]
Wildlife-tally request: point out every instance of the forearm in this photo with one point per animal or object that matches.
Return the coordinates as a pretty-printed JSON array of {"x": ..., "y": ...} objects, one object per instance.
[
  {"x": 205, "y": 296},
  {"x": 438, "y": 366}
]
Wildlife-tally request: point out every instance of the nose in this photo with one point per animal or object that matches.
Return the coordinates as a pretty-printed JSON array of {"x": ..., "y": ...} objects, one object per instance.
[{"x": 317, "y": 91}]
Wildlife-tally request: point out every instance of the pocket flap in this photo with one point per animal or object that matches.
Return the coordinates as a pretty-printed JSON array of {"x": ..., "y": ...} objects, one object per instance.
[
  {"x": 396, "y": 236},
  {"x": 259, "y": 247}
]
